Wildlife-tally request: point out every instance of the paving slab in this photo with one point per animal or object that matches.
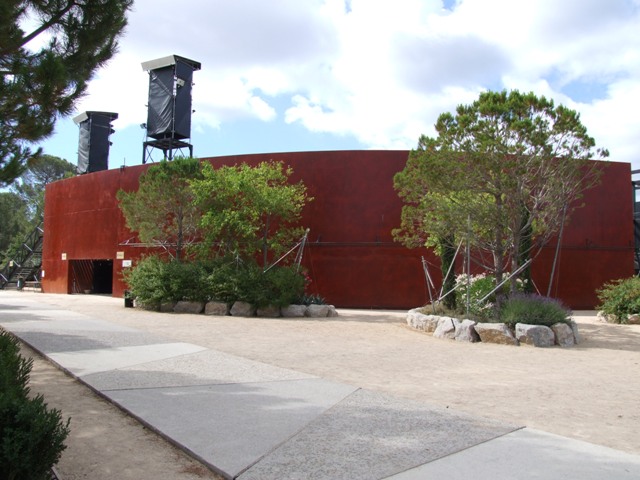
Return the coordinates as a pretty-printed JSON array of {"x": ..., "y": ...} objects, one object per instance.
[
  {"x": 85, "y": 362},
  {"x": 531, "y": 454},
  {"x": 371, "y": 435},
  {"x": 27, "y": 319},
  {"x": 61, "y": 340},
  {"x": 231, "y": 427},
  {"x": 206, "y": 367}
]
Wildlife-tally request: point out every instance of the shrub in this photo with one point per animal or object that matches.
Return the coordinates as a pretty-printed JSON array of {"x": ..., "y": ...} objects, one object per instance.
[
  {"x": 279, "y": 286},
  {"x": 533, "y": 310},
  {"x": 154, "y": 280},
  {"x": 14, "y": 369},
  {"x": 146, "y": 281},
  {"x": 310, "y": 299},
  {"x": 620, "y": 298},
  {"x": 31, "y": 436},
  {"x": 479, "y": 287}
]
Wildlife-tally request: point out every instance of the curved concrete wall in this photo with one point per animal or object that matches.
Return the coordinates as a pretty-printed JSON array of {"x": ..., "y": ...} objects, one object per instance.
[{"x": 350, "y": 256}]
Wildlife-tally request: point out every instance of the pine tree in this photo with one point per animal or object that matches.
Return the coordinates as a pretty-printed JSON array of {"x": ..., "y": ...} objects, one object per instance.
[{"x": 37, "y": 86}]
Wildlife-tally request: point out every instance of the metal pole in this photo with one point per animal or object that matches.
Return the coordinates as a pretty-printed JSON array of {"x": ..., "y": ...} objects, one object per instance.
[{"x": 555, "y": 258}]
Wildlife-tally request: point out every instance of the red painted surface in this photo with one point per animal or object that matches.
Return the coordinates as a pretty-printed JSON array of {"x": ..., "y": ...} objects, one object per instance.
[{"x": 350, "y": 256}]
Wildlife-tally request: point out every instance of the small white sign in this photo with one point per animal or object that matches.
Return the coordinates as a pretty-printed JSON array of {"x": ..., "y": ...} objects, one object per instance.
[
  {"x": 42, "y": 274},
  {"x": 64, "y": 256},
  {"x": 119, "y": 255},
  {"x": 126, "y": 263}
]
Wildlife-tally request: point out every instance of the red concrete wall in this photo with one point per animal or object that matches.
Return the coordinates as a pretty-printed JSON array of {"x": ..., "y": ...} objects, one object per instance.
[{"x": 350, "y": 255}]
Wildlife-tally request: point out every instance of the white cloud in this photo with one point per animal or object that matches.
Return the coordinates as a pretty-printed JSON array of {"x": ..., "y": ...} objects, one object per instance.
[{"x": 383, "y": 71}]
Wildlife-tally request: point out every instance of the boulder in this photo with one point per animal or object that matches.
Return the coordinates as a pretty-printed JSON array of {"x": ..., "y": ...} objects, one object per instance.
[
  {"x": 270, "y": 311},
  {"x": 633, "y": 319},
  {"x": 576, "y": 334},
  {"x": 166, "y": 307},
  {"x": 564, "y": 335},
  {"x": 188, "y": 307},
  {"x": 446, "y": 328},
  {"x": 416, "y": 319},
  {"x": 536, "y": 335},
  {"x": 242, "y": 309},
  {"x": 495, "y": 333},
  {"x": 466, "y": 332},
  {"x": 216, "y": 308},
  {"x": 293, "y": 311},
  {"x": 420, "y": 321},
  {"x": 332, "y": 311},
  {"x": 317, "y": 311}
]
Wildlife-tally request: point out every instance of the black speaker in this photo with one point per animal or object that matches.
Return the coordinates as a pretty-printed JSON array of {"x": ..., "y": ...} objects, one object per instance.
[
  {"x": 169, "y": 107},
  {"x": 93, "y": 146}
]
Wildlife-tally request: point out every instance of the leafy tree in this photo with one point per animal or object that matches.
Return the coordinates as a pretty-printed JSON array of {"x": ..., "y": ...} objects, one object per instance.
[
  {"x": 13, "y": 218},
  {"x": 40, "y": 171},
  {"x": 250, "y": 210},
  {"x": 37, "y": 85},
  {"x": 503, "y": 173},
  {"x": 162, "y": 211}
]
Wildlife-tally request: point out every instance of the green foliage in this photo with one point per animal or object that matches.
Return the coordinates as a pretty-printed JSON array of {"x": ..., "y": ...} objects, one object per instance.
[
  {"x": 154, "y": 281},
  {"x": 249, "y": 210},
  {"x": 15, "y": 370},
  {"x": 478, "y": 287},
  {"x": 162, "y": 211},
  {"x": 40, "y": 172},
  {"x": 147, "y": 281},
  {"x": 533, "y": 310},
  {"x": 503, "y": 174},
  {"x": 310, "y": 299},
  {"x": 620, "y": 298},
  {"x": 39, "y": 85},
  {"x": 247, "y": 282},
  {"x": 15, "y": 225},
  {"x": 31, "y": 435}
]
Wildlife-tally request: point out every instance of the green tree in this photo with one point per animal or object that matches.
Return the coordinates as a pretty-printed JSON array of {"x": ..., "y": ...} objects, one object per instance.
[
  {"x": 503, "y": 173},
  {"x": 162, "y": 210},
  {"x": 31, "y": 184},
  {"x": 39, "y": 84},
  {"x": 15, "y": 226},
  {"x": 250, "y": 210}
]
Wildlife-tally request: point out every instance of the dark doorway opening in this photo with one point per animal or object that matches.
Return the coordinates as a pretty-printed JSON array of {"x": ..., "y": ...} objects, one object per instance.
[
  {"x": 91, "y": 276},
  {"x": 102, "y": 276}
]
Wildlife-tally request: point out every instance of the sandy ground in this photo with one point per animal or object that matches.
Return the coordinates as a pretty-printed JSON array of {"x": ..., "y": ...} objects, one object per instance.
[{"x": 589, "y": 392}]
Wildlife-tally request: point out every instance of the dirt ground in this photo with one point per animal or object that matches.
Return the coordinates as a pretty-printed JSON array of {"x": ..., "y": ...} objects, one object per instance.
[{"x": 589, "y": 392}]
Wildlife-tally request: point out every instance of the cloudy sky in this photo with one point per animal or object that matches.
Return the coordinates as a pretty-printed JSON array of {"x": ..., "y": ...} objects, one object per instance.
[{"x": 295, "y": 75}]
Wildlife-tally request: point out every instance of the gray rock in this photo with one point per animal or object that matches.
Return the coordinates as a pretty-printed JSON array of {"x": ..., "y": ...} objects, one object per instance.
[
  {"x": 495, "y": 333},
  {"x": 317, "y": 311},
  {"x": 446, "y": 328},
  {"x": 332, "y": 311},
  {"x": 242, "y": 309},
  {"x": 166, "y": 307},
  {"x": 536, "y": 335},
  {"x": 421, "y": 321},
  {"x": 270, "y": 311},
  {"x": 564, "y": 335},
  {"x": 188, "y": 307},
  {"x": 216, "y": 308},
  {"x": 416, "y": 319},
  {"x": 466, "y": 332},
  {"x": 633, "y": 319},
  {"x": 576, "y": 334},
  {"x": 293, "y": 311}
]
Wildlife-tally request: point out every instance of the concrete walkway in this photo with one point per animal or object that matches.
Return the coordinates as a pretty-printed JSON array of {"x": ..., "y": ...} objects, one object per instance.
[{"x": 251, "y": 420}]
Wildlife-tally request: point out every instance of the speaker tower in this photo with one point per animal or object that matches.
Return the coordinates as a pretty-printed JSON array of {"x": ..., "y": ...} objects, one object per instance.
[
  {"x": 169, "y": 109},
  {"x": 93, "y": 146}
]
